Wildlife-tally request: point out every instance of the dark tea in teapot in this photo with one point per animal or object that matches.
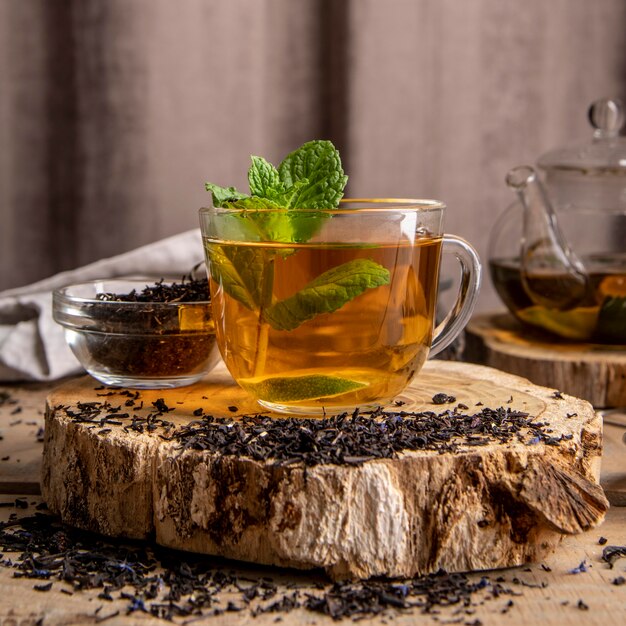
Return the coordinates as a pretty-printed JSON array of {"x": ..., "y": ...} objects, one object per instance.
[{"x": 599, "y": 317}]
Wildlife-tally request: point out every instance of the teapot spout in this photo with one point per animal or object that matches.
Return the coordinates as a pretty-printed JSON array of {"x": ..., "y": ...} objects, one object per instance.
[{"x": 552, "y": 275}]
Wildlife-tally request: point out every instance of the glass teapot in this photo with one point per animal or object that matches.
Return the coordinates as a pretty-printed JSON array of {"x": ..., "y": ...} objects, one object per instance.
[{"x": 557, "y": 255}]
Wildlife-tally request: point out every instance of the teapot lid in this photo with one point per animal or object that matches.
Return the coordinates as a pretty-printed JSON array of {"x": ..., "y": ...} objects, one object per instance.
[{"x": 605, "y": 154}]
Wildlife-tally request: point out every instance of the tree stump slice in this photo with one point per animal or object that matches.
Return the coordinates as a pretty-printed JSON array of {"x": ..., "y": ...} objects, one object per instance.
[
  {"x": 594, "y": 372},
  {"x": 498, "y": 505}
]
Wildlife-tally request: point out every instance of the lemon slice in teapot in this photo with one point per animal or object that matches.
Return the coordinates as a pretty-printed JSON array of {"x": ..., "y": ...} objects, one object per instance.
[
  {"x": 578, "y": 324},
  {"x": 613, "y": 286}
]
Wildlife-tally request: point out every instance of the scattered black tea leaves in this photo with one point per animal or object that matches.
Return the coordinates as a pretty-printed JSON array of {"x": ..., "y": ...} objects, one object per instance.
[
  {"x": 582, "y": 606},
  {"x": 602, "y": 541},
  {"x": 442, "y": 398},
  {"x": 610, "y": 554},
  {"x": 166, "y": 584},
  {"x": 524, "y": 583},
  {"x": 620, "y": 580},
  {"x": 45, "y": 587},
  {"x": 339, "y": 439},
  {"x": 160, "y": 406},
  {"x": 6, "y": 399},
  {"x": 354, "y": 439},
  {"x": 581, "y": 568},
  {"x": 507, "y": 607}
]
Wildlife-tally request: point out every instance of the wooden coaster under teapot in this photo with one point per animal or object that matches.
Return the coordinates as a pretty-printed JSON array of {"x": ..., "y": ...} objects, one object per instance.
[{"x": 595, "y": 372}]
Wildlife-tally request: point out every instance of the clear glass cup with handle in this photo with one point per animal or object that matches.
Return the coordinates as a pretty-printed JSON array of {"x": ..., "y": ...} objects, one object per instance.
[{"x": 327, "y": 310}]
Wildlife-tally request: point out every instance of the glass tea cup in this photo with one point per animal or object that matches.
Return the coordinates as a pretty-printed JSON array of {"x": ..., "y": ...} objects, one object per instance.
[{"x": 326, "y": 310}]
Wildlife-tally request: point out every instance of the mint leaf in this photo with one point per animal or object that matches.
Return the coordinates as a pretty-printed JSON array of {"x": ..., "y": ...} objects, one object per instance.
[
  {"x": 264, "y": 179},
  {"x": 285, "y": 226},
  {"x": 291, "y": 195},
  {"x": 311, "y": 177},
  {"x": 294, "y": 388},
  {"x": 319, "y": 163},
  {"x": 326, "y": 293},
  {"x": 239, "y": 271},
  {"x": 303, "y": 225},
  {"x": 259, "y": 224},
  {"x": 223, "y": 194},
  {"x": 252, "y": 203},
  {"x": 611, "y": 326}
]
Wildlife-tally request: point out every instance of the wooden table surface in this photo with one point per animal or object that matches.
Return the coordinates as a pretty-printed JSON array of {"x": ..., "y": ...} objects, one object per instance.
[{"x": 549, "y": 593}]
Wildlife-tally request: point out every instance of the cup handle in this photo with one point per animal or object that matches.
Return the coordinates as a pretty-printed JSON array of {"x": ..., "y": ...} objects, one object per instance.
[{"x": 454, "y": 322}]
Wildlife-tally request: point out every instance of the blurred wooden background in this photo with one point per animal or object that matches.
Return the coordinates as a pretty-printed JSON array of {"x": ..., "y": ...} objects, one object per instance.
[{"x": 114, "y": 113}]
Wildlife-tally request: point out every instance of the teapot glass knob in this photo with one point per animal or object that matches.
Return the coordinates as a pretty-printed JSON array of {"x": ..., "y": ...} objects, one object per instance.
[{"x": 607, "y": 117}]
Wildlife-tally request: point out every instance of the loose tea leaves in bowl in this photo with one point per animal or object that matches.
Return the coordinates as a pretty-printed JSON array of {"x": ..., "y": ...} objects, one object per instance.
[{"x": 130, "y": 333}]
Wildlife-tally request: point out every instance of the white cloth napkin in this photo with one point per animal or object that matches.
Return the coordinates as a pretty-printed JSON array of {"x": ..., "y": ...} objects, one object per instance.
[{"x": 32, "y": 344}]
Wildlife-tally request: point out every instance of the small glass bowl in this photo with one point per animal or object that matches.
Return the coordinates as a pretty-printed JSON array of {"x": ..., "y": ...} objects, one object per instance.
[{"x": 144, "y": 345}]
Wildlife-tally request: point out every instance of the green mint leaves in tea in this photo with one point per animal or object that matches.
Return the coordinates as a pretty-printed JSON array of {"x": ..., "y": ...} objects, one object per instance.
[
  {"x": 298, "y": 310},
  {"x": 311, "y": 177},
  {"x": 326, "y": 293}
]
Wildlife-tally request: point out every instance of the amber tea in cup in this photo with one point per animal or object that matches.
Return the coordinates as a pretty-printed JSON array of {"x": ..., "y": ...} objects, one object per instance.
[{"x": 327, "y": 310}]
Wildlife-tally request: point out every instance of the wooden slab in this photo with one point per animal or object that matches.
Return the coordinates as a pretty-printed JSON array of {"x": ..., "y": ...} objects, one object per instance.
[
  {"x": 594, "y": 372},
  {"x": 478, "y": 508}
]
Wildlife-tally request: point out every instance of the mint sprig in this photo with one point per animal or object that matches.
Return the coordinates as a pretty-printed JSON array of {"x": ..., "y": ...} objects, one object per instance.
[{"x": 311, "y": 177}]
